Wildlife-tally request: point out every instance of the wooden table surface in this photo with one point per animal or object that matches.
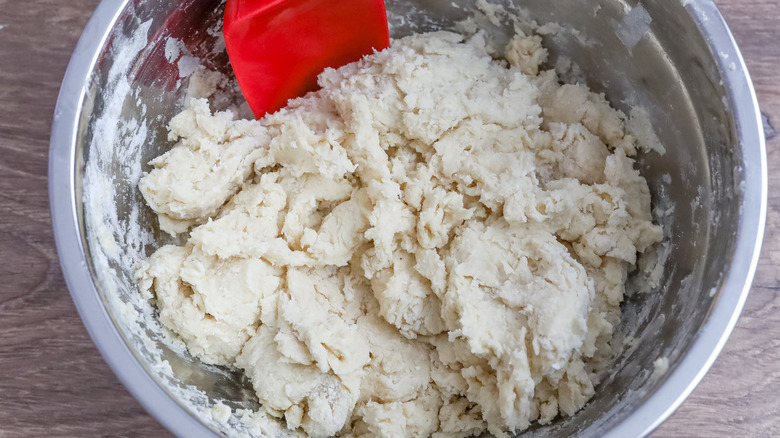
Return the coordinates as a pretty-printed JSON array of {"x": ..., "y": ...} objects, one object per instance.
[{"x": 53, "y": 381}]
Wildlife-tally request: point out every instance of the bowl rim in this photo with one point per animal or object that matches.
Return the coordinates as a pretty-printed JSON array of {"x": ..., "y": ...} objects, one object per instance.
[
  {"x": 730, "y": 299},
  {"x": 679, "y": 382},
  {"x": 67, "y": 233}
]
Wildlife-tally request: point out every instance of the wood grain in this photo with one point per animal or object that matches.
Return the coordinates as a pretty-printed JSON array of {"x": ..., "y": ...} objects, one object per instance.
[{"x": 53, "y": 381}]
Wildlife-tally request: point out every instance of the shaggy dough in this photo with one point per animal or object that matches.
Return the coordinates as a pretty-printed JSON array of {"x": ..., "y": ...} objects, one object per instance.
[{"x": 435, "y": 243}]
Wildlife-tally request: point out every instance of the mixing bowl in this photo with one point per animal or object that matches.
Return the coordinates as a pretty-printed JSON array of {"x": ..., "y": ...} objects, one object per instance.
[{"x": 676, "y": 59}]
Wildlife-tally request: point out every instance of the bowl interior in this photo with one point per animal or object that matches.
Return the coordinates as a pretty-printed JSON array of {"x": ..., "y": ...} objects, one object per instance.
[{"x": 650, "y": 54}]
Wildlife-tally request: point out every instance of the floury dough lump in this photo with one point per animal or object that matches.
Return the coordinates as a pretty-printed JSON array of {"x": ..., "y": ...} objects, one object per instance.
[{"x": 434, "y": 243}]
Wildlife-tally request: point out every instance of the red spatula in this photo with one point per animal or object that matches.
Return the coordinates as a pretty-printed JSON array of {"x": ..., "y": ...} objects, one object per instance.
[{"x": 278, "y": 47}]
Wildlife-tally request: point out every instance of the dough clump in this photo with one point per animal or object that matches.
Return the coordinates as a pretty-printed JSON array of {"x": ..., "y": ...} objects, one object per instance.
[{"x": 435, "y": 243}]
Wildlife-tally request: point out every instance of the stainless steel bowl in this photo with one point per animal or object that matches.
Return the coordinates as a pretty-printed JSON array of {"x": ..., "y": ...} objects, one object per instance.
[{"x": 675, "y": 58}]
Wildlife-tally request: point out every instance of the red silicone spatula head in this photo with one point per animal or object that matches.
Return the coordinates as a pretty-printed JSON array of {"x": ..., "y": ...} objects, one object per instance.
[{"x": 278, "y": 47}]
